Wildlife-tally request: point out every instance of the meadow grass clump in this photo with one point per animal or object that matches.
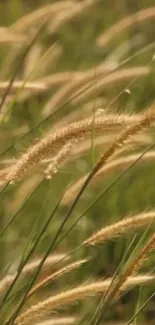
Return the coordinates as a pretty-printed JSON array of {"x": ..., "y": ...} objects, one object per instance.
[{"x": 77, "y": 117}]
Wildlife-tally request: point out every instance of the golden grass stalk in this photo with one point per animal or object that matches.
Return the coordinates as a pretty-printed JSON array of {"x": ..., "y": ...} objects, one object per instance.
[
  {"x": 8, "y": 36},
  {"x": 108, "y": 168},
  {"x": 68, "y": 268},
  {"x": 147, "y": 119},
  {"x": 59, "y": 321},
  {"x": 40, "y": 310},
  {"x": 125, "y": 23},
  {"x": 131, "y": 269},
  {"x": 59, "y": 159},
  {"x": 62, "y": 77},
  {"x": 65, "y": 16},
  {"x": 121, "y": 227},
  {"x": 32, "y": 86},
  {"x": 29, "y": 268},
  {"x": 37, "y": 17},
  {"x": 76, "y": 81},
  {"x": 76, "y": 130},
  {"x": 40, "y": 61},
  {"x": 110, "y": 79}
]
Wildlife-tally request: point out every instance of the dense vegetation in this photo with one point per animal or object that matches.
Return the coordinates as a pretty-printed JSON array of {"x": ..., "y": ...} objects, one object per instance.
[{"x": 77, "y": 156}]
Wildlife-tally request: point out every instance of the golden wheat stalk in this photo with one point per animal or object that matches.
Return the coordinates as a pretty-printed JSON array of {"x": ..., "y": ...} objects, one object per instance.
[
  {"x": 125, "y": 23},
  {"x": 74, "y": 131},
  {"x": 121, "y": 227},
  {"x": 40, "y": 310},
  {"x": 68, "y": 268}
]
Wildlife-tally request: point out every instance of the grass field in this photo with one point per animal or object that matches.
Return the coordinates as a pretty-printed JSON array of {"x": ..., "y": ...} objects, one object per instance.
[{"x": 77, "y": 119}]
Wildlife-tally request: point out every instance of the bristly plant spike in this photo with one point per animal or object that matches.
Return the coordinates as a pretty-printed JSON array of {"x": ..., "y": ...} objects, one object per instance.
[
  {"x": 49, "y": 144},
  {"x": 124, "y": 226},
  {"x": 43, "y": 308}
]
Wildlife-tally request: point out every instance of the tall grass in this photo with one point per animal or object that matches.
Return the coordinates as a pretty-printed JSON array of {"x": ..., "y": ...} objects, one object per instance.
[{"x": 77, "y": 119}]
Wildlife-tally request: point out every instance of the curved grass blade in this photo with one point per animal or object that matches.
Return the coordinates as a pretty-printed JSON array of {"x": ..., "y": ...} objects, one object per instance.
[
  {"x": 54, "y": 241},
  {"x": 25, "y": 52},
  {"x": 19, "y": 210},
  {"x": 99, "y": 197},
  {"x": 11, "y": 320},
  {"x": 140, "y": 309}
]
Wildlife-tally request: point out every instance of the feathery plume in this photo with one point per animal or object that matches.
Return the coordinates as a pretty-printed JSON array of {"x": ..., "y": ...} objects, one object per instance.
[
  {"x": 121, "y": 227},
  {"x": 29, "y": 268},
  {"x": 111, "y": 78},
  {"x": 110, "y": 166},
  {"x": 125, "y": 23},
  {"x": 40, "y": 310},
  {"x": 76, "y": 130},
  {"x": 36, "y": 17},
  {"x": 32, "y": 86},
  {"x": 57, "y": 274},
  {"x": 59, "y": 159}
]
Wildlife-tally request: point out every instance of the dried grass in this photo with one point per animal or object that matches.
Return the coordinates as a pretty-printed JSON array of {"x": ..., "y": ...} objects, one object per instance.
[
  {"x": 117, "y": 76},
  {"x": 146, "y": 121},
  {"x": 40, "y": 310},
  {"x": 36, "y": 17},
  {"x": 17, "y": 85},
  {"x": 59, "y": 321},
  {"x": 111, "y": 166},
  {"x": 125, "y": 23},
  {"x": 131, "y": 269},
  {"x": 68, "y": 268},
  {"x": 65, "y": 16},
  {"x": 8, "y": 36},
  {"x": 53, "y": 142},
  {"x": 29, "y": 268},
  {"x": 121, "y": 227},
  {"x": 59, "y": 159},
  {"x": 76, "y": 81}
]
